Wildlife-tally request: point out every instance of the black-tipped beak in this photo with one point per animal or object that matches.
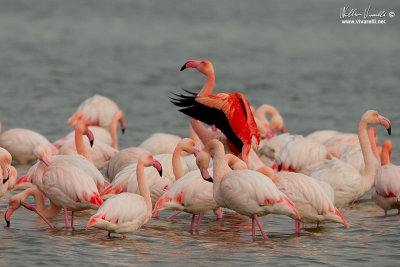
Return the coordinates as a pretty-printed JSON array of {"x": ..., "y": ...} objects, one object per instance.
[
  {"x": 209, "y": 180},
  {"x": 91, "y": 143},
  {"x": 6, "y": 180},
  {"x": 279, "y": 167},
  {"x": 160, "y": 172},
  {"x": 183, "y": 67},
  {"x": 8, "y": 223},
  {"x": 123, "y": 130},
  {"x": 389, "y": 130}
]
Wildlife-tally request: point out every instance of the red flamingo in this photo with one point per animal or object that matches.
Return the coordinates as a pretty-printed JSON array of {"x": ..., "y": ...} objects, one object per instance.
[{"x": 229, "y": 112}]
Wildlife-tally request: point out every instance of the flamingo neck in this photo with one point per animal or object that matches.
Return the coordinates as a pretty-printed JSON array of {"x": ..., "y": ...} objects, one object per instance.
[
  {"x": 202, "y": 132},
  {"x": 219, "y": 164},
  {"x": 118, "y": 117},
  {"x": 374, "y": 148},
  {"x": 385, "y": 155},
  {"x": 267, "y": 171},
  {"x": 176, "y": 162},
  {"x": 80, "y": 145},
  {"x": 193, "y": 135},
  {"x": 369, "y": 158},
  {"x": 208, "y": 86},
  {"x": 265, "y": 109},
  {"x": 48, "y": 211},
  {"x": 143, "y": 188}
]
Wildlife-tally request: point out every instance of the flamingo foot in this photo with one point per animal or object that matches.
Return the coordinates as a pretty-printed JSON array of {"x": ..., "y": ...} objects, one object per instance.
[
  {"x": 260, "y": 226},
  {"x": 173, "y": 215},
  {"x": 192, "y": 223}
]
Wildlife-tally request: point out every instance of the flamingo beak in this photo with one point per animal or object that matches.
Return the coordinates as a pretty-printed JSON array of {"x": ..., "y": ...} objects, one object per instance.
[
  {"x": 46, "y": 161},
  {"x": 91, "y": 137},
  {"x": 196, "y": 151},
  {"x": 123, "y": 130},
  {"x": 386, "y": 123},
  {"x": 191, "y": 64},
  {"x": 5, "y": 180},
  {"x": 7, "y": 215},
  {"x": 157, "y": 165},
  {"x": 206, "y": 176}
]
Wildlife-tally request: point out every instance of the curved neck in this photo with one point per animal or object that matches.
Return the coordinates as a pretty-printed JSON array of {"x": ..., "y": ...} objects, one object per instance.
[
  {"x": 80, "y": 145},
  {"x": 144, "y": 190},
  {"x": 118, "y": 117},
  {"x": 372, "y": 141},
  {"x": 219, "y": 165},
  {"x": 176, "y": 162},
  {"x": 265, "y": 109},
  {"x": 267, "y": 171},
  {"x": 202, "y": 132},
  {"x": 193, "y": 135},
  {"x": 47, "y": 211},
  {"x": 369, "y": 158},
  {"x": 208, "y": 86}
]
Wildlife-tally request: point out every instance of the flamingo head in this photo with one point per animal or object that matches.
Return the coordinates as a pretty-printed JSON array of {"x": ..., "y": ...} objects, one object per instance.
[
  {"x": 373, "y": 117},
  {"x": 43, "y": 153},
  {"x": 203, "y": 66},
  {"x": 5, "y": 164},
  {"x": 13, "y": 204},
  {"x": 83, "y": 129},
  {"x": 157, "y": 165},
  {"x": 188, "y": 145}
]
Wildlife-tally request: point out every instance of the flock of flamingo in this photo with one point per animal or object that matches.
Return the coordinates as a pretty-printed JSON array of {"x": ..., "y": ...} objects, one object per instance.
[{"x": 239, "y": 163}]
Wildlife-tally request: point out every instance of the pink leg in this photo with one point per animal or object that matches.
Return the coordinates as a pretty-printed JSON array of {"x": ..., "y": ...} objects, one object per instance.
[
  {"x": 260, "y": 226},
  {"x": 303, "y": 226},
  {"x": 385, "y": 212},
  {"x": 33, "y": 208},
  {"x": 66, "y": 217},
  {"x": 192, "y": 223},
  {"x": 109, "y": 235},
  {"x": 124, "y": 236},
  {"x": 219, "y": 213},
  {"x": 72, "y": 219},
  {"x": 297, "y": 223},
  {"x": 176, "y": 213},
  {"x": 198, "y": 222},
  {"x": 317, "y": 224},
  {"x": 253, "y": 229}
]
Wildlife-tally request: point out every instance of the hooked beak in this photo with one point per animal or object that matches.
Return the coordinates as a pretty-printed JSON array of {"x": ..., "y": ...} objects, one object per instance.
[
  {"x": 191, "y": 64},
  {"x": 386, "y": 123},
  {"x": 5, "y": 180},
  {"x": 91, "y": 137},
  {"x": 46, "y": 161},
  {"x": 123, "y": 130},
  {"x": 7, "y": 215},
  {"x": 206, "y": 176},
  {"x": 196, "y": 151},
  {"x": 157, "y": 165}
]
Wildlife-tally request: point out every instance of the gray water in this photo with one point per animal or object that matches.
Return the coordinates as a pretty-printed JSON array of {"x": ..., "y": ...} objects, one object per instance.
[{"x": 295, "y": 55}]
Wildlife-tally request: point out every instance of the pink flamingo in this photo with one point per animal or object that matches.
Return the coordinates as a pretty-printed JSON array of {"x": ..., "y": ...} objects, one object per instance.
[
  {"x": 322, "y": 135},
  {"x": 229, "y": 112},
  {"x": 97, "y": 110},
  {"x": 21, "y": 143},
  {"x": 102, "y": 134},
  {"x": 347, "y": 182},
  {"x": 68, "y": 181},
  {"x": 7, "y": 175},
  {"x": 122, "y": 159},
  {"x": 386, "y": 190},
  {"x": 275, "y": 124},
  {"x": 100, "y": 154},
  {"x": 245, "y": 191},
  {"x": 312, "y": 202},
  {"x": 126, "y": 212}
]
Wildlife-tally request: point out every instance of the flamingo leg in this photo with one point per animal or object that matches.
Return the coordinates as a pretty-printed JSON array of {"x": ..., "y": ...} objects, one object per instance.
[
  {"x": 303, "y": 226},
  {"x": 192, "y": 223},
  {"x": 173, "y": 215},
  {"x": 253, "y": 229},
  {"x": 260, "y": 226},
  {"x": 317, "y": 224},
  {"x": 33, "y": 208},
  {"x": 297, "y": 223},
  {"x": 109, "y": 235},
  {"x": 72, "y": 219},
  {"x": 198, "y": 222},
  {"x": 66, "y": 217}
]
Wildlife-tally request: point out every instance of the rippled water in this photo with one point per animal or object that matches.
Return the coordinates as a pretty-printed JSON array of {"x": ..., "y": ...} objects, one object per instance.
[{"x": 296, "y": 55}]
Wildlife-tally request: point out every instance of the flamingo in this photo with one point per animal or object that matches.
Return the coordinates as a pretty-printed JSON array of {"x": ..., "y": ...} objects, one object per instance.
[
  {"x": 386, "y": 189},
  {"x": 245, "y": 191},
  {"x": 102, "y": 134},
  {"x": 347, "y": 182},
  {"x": 100, "y": 154},
  {"x": 312, "y": 202},
  {"x": 122, "y": 159},
  {"x": 97, "y": 110},
  {"x": 21, "y": 143},
  {"x": 229, "y": 112},
  {"x": 126, "y": 212},
  {"x": 68, "y": 181},
  {"x": 275, "y": 124},
  {"x": 322, "y": 135}
]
